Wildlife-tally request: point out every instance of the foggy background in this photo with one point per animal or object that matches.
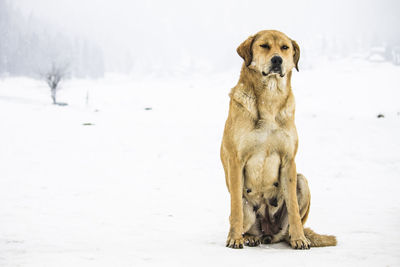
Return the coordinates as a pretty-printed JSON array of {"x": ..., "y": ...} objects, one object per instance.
[{"x": 167, "y": 38}]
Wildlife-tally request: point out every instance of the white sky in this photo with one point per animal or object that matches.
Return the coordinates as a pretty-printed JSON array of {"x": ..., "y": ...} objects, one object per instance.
[{"x": 200, "y": 27}]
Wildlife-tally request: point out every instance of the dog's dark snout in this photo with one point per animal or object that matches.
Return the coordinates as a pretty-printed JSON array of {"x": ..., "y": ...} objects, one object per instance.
[{"x": 276, "y": 60}]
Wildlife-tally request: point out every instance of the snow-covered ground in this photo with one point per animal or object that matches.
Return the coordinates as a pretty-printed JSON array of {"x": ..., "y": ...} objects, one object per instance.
[{"x": 146, "y": 187}]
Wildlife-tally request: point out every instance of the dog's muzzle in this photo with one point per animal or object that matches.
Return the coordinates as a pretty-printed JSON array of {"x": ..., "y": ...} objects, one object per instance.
[
  {"x": 274, "y": 70},
  {"x": 276, "y": 66}
]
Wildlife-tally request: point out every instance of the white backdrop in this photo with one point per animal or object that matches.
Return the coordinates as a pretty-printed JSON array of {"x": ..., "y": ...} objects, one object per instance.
[{"x": 203, "y": 35}]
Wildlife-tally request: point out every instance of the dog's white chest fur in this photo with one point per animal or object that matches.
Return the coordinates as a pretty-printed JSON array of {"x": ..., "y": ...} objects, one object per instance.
[{"x": 273, "y": 83}]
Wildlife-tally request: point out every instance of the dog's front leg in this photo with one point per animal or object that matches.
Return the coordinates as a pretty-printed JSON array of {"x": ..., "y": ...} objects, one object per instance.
[
  {"x": 289, "y": 182},
  {"x": 235, "y": 238}
]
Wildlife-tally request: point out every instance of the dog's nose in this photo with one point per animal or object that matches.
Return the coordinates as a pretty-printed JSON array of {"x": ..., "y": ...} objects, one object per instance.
[{"x": 276, "y": 60}]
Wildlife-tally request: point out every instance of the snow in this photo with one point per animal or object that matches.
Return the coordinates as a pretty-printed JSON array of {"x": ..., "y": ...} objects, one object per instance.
[{"x": 146, "y": 187}]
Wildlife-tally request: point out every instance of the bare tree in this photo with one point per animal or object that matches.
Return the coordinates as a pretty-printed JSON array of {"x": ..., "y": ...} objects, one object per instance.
[{"x": 53, "y": 78}]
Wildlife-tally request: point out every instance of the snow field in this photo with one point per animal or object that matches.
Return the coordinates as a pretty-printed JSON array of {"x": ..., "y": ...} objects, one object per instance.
[{"x": 146, "y": 187}]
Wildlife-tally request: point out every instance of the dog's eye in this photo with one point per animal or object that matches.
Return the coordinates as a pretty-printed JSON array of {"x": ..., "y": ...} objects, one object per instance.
[
  {"x": 284, "y": 47},
  {"x": 265, "y": 46}
]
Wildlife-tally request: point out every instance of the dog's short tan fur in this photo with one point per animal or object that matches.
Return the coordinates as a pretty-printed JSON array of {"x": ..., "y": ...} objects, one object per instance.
[{"x": 270, "y": 202}]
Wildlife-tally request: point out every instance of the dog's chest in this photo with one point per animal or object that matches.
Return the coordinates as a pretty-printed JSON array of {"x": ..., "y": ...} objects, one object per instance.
[
  {"x": 273, "y": 131},
  {"x": 267, "y": 143},
  {"x": 268, "y": 137},
  {"x": 261, "y": 172}
]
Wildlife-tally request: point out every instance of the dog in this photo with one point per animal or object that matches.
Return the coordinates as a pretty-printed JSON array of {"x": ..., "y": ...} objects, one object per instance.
[{"x": 270, "y": 201}]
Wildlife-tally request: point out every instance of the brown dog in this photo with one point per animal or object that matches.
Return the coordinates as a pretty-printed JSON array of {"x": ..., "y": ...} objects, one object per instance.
[{"x": 269, "y": 200}]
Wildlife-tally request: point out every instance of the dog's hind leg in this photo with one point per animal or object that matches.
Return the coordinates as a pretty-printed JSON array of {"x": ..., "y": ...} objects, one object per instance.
[
  {"x": 250, "y": 225},
  {"x": 249, "y": 216},
  {"x": 281, "y": 216},
  {"x": 303, "y": 197}
]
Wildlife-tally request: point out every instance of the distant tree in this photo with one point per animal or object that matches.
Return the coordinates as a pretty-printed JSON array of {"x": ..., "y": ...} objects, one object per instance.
[
  {"x": 26, "y": 42},
  {"x": 53, "y": 77}
]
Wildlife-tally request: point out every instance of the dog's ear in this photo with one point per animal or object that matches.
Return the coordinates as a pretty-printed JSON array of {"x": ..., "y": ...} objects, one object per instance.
[
  {"x": 296, "y": 54},
  {"x": 245, "y": 50}
]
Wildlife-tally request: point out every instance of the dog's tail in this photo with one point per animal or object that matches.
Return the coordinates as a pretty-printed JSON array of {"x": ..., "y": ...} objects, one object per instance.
[{"x": 318, "y": 240}]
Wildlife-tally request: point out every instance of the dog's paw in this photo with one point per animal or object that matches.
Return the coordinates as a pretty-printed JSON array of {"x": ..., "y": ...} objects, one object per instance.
[
  {"x": 300, "y": 243},
  {"x": 266, "y": 239},
  {"x": 235, "y": 242},
  {"x": 251, "y": 240}
]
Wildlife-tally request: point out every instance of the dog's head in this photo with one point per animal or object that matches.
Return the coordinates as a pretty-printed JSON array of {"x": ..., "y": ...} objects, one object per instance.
[{"x": 270, "y": 53}]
